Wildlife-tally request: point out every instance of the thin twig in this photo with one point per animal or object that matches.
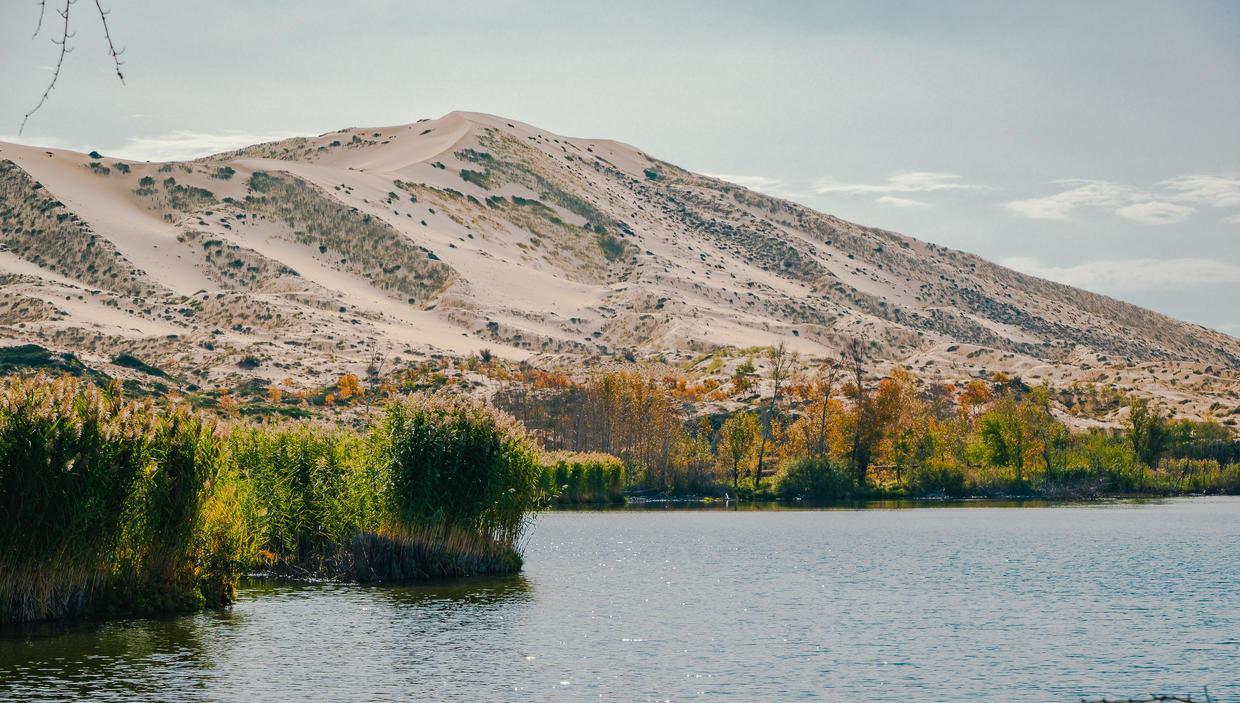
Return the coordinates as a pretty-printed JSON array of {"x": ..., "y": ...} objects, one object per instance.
[
  {"x": 116, "y": 55},
  {"x": 39, "y": 25},
  {"x": 64, "y": 49}
]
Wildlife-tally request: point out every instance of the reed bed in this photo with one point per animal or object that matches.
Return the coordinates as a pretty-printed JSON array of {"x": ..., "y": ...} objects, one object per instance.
[
  {"x": 111, "y": 506},
  {"x": 583, "y": 478}
]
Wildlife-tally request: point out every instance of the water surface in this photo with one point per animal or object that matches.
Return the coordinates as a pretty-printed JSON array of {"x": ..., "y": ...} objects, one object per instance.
[{"x": 954, "y": 602}]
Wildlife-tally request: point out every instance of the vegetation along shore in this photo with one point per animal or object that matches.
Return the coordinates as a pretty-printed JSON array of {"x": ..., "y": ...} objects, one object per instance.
[{"x": 115, "y": 500}]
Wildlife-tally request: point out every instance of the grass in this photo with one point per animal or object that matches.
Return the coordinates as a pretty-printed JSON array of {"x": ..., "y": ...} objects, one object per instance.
[{"x": 111, "y": 506}]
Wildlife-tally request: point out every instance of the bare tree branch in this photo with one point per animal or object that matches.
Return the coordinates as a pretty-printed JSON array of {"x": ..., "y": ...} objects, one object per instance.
[
  {"x": 63, "y": 43},
  {"x": 39, "y": 25},
  {"x": 64, "y": 49},
  {"x": 116, "y": 55}
]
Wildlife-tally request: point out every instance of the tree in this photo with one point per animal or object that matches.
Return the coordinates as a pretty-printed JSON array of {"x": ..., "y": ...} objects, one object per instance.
[
  {"x": 1050, "y": 437},
  {"x": 864, "y": 426},
  {"x": 737, "y": 437},
  {"x": 1003, "y": 436},
  {"x": 781, "y": 362},
  {"x": 1148, "y": 431},
  {"x": 348, "y": 386},
  {"x": 826, "y": 384}
]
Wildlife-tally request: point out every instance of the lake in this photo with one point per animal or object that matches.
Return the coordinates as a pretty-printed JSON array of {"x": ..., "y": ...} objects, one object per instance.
[{"x": 980, "y": 602}]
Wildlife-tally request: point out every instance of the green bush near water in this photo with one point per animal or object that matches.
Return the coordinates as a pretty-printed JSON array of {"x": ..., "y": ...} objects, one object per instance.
[
  {"x": 583, "y": 478},
  {"x": 815, "y": 478},
  {"x": 101, "y": 504},
  {"x": 109, "y": 506}
]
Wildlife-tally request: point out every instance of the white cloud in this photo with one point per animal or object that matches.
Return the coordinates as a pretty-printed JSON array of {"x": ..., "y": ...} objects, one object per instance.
[
  {"x": 903, "y": 182},
  {"x": 1234, "y": 219},
  {"x": 46, "y": 142},
  {"x": 1169, "y": 202},
  {"x": 1205, "y": 189},
  {"x": 900, "y": 202},
  {"x": 1120, "y": 275},
  {"x": 1155, "y": 212},
  {"x": 182, "y": 145},
  {"x": 1095, "y": 194},
  {"x": 762, "y": 183}
]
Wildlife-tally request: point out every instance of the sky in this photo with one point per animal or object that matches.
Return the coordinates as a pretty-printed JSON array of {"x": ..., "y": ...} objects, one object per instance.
[{"x": 1093, "y": 143}]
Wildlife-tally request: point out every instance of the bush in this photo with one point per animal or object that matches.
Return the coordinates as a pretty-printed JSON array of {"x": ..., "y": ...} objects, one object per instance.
[
  {"x": 814, "y": 478},
  {"x": 937, "y": 479}
]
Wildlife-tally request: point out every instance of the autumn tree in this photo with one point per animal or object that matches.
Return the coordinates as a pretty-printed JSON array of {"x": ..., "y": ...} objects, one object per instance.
[
  {"x": 737, "y": 438},
  {"x": 348, "y": 387},
  {"x": 781, "y": 362},
  {"x": 1050, "y": 436},
  {"x": 864, "y": 428},
  {"x": 1003, "y": 435}
]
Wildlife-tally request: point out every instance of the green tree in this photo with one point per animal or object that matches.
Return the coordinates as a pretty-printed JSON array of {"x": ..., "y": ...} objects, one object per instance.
[
  {"x": 1147, "y": 430},
  {"x": 737, "y": 437}
]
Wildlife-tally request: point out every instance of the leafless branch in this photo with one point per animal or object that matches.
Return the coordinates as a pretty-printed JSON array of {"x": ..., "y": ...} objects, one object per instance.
[
  {"x": 39, "y": 25},
  {"x": 63, "y": 43},
  {"x": 64, "y": 49},
  {"x": 116, "y": 55}
]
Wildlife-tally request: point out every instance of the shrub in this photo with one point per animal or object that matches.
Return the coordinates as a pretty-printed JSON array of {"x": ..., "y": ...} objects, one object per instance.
[{"x": 937, "y": 479}]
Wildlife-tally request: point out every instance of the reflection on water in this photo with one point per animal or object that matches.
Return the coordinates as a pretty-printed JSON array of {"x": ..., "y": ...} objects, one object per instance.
[{"x": 1045, "y": 604}]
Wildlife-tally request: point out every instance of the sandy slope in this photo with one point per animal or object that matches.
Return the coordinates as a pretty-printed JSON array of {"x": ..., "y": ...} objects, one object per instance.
[{"x": 549, "y": 248}]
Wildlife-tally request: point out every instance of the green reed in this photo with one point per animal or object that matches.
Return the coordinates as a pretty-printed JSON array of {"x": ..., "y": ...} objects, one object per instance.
[
  {"x": 114, "y": 506},
  {"x": 583, "y": 477}
]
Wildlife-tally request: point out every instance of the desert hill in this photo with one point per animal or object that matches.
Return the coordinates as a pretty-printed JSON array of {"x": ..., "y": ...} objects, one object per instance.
[{"x": 300, "y": 258}]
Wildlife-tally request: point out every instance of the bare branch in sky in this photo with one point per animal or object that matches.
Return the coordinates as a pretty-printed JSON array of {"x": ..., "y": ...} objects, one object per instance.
[{"x": 63, "y": 43}]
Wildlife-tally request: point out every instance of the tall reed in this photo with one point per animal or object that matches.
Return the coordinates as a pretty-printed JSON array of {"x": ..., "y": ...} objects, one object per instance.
[
  {"x": 100, "y": 496},
  {"x": 583, "y": 478},
  {"x": 109, "y": 505}
]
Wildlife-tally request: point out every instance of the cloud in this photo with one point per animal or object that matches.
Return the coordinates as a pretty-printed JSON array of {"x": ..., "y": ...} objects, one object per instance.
[
  {"x": 1095, "y": 194},
  {"x": 903, "y": 182},
  {"x": 45, "y": 142},
  {"x": 900, "y": 202},
  {"x": 1122, "y": 275},
  {"x": 1205, "y": 189},
  {"x": 1155, "y": 212},
  {"x": 182, "y": 145},
  {"x": 1169, "y": 202},
  {"x": 174, "y": 146},
  {"x": 765, "y": 184},
  {"x": 1234, "y": 219}
]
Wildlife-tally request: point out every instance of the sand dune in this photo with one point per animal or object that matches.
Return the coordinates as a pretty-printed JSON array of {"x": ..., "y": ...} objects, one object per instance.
[{"x": 474, "y": 231}]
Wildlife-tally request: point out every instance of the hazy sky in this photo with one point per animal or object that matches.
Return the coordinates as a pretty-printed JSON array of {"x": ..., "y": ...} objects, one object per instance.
[{"x": 1094, "y": 143}]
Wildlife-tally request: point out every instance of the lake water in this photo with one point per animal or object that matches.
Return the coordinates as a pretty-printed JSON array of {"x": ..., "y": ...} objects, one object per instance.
[{"x": 924, "y": 604}]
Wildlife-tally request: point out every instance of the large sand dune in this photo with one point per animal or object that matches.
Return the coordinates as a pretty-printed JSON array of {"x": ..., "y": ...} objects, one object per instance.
[{"x": 472, "y": 231}]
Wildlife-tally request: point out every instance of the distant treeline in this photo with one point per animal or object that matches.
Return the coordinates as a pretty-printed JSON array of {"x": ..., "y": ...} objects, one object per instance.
[
  {"x": 108, "y": 505},
  {"x": 837, "y": 434}
]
